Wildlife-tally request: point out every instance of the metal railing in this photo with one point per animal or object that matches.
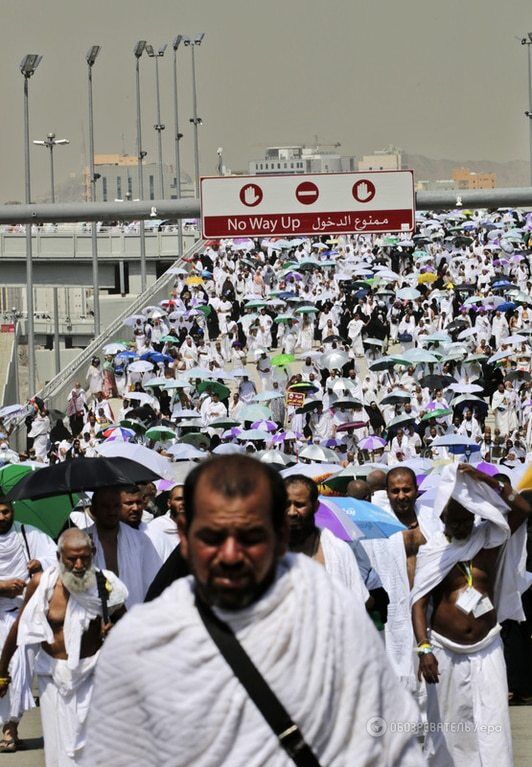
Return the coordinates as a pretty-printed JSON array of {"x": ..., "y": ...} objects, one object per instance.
[
  {"x": 57, "y": 389},
  {"x": 171, "y": 210}
]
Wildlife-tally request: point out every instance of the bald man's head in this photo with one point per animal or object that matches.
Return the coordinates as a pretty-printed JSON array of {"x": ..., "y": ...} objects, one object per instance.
[
  {"x": 376, "y": 480},
  {"x": 359, "y": 489}
]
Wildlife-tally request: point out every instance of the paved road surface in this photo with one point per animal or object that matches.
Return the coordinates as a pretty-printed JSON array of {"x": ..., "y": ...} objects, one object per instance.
[{"x": 33, "y": 756}]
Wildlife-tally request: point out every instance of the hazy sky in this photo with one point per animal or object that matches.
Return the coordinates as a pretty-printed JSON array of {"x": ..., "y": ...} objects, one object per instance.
[{"x": 445, "y": 79}]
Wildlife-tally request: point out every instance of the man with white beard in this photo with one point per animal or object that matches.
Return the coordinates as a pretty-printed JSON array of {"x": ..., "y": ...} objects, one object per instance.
[
  {"x": 24, "y": 551},
  {"x": 296, "y": 624},
  {"x": 59, "y": 633}
]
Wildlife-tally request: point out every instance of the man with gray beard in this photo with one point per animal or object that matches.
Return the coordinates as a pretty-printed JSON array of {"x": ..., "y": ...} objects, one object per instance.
[{"x": 60, "y": 630}]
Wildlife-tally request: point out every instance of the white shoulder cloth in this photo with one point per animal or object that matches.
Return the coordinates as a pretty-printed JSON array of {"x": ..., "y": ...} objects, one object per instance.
[{"x": 438, "y": 556}]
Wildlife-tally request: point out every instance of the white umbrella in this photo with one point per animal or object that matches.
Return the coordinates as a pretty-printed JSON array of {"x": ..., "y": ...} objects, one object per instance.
[
  {"x": 408, "y": 294},
  {"x": 311, "y": 469},
  {"x": 183, "y": 452},
  {"x": 140, "y": 454},
  {"x": 320, "y": 454},
  {"x": 332, "y": 360},
  {"x": 10, "y": 410},
  {"x": 459, "y": 388},
  {"x": 229, "y": 448},
  {"x": 277, "y": 458},
  {"x": 501, "y": 355},
  {"x": 141, "y": 366},
  {"x": 114, "y": 348},
  {"x": 132, "y": 320},
  {"x": 143, "y": 398}
]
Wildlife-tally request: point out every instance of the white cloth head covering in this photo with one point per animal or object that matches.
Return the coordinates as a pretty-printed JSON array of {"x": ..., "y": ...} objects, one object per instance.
[{"x": 438, "y": 556}]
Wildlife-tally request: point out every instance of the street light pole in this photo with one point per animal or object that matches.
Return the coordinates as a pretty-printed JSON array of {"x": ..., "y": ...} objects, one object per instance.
[
  {"x": 195, "y": 120},
  {"x": 92, "y": 53},
  {"x": 159, "y": 126},
  {"x": 528, "y": 42},
  {"x": 138, "y": 51},
  {"x": 50, "y": 142},
  {"x": 178, "y": 136},
  {"x": 28, "y": 65}
]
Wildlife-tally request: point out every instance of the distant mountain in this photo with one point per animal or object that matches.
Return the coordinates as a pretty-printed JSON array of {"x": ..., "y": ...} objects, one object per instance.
[{"x": 509, "y": 174}]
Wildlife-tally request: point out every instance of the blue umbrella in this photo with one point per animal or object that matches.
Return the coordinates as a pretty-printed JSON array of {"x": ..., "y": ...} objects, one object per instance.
[
  {"x": 507, "y": 306},
  {"x": 371, "y": 520},
  {"x": 127, "y": 355},
  {"x": 456, "y": 444},
  {"x": 156, "y": 357}
]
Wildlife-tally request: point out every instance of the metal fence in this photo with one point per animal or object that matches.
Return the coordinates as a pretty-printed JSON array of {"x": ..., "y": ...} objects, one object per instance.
[{"x": 57, "y": 389}]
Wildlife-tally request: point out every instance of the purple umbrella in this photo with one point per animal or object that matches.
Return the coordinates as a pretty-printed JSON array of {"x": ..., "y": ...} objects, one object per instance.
[
  {"x": 372, "y": 443},
  {"x": 337, "y": 522},
  {"x": 231, "y": 433},
  {"x": 265, "y": 425}
]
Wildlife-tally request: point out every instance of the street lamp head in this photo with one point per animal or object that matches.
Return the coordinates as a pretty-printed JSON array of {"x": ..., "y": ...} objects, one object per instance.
[
  {"x": 149, "y": 49},
  {"x": 186, "y": 41},
  {"x": 92, "y": 53},
  {"x": 51, "y": 136},
  {"x": 39, "y": 143},
  {"x": 62, "y": 141},
  {"x": 199, "y": 38},
  {"x": 219, "y": 151},
  {"x": 162, "y": 49},
  {"x": 138, "y": 50},
  {"x": 177, "y": 41},
  {"x": 29, "y": 64},
  {"x": 530, "y": 36}
]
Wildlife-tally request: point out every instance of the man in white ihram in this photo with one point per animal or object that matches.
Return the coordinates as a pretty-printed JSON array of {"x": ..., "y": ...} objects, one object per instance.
[
  {"x": 170, "y": 699},
  {"x": 24, "y": 551},
  {"x": 59, "y": 633},
  {"x": 472, "y": 573}
]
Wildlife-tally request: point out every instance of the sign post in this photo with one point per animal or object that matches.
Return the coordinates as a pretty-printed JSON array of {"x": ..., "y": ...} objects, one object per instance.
[{"x": 318, "y": 204}]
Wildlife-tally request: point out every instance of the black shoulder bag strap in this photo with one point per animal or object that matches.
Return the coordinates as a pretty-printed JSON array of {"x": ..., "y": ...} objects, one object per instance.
[
  {"x": 288, "y": 733},
  {"x": 101, "y": 583}
]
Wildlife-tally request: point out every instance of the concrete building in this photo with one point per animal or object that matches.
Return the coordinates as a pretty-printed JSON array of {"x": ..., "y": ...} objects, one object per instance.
[
  {"x": 118, "y": 179},
  {"x": 389, "y": 158},
  {"x": 466, "y": 179},
  {"x": 301, "y": 159},
  {"x": 435, "y": 185}
]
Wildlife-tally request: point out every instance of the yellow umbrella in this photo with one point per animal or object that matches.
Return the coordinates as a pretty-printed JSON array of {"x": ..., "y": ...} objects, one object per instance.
[
  {"x": 525, "y": 482},
  {"x": 427, "y": 277},
  {"x": 194, "y": 280}
]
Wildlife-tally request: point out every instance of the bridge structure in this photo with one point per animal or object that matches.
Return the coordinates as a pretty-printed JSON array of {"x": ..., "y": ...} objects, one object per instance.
[{"x": 56, "y": 390}]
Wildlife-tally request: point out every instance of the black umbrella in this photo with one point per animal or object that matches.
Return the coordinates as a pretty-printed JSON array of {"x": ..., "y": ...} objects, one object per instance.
[
  {"x": 518, "y": 375},
  {"x": 81, "y": 474},
  {"x": 457, "y": 324},
  {"x": 436, "y": 381}
]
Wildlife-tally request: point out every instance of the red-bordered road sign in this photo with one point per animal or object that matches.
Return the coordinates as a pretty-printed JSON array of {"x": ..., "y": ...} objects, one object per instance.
[
  {"x": 307, "y": 193},
  {"x": 317, "y": 204}
]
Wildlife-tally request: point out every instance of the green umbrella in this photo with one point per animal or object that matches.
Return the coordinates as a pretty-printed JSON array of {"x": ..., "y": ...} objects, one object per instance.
[
  {"x": 196, "y": 438},
  {"x": 285, "y": 318},
  {"x": 254, "y": 304},
  {"x": 439, "y": 413},
  {"x": 255, "y": 413},
  {"x": 130, "y": 423},
  {"x": 170, "y": 339},
  {"x": 306, "y": 309},
  {"x": 390, "y": 241},
  {"x": 205, "y": 308},
  {"x": 161, "y": 433},
  {"x": 214, "y": 387},
  {"x": 280, "y": 360},
  {"x": 223, "y": 422},
  {"x": 46, "y": 514}
]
